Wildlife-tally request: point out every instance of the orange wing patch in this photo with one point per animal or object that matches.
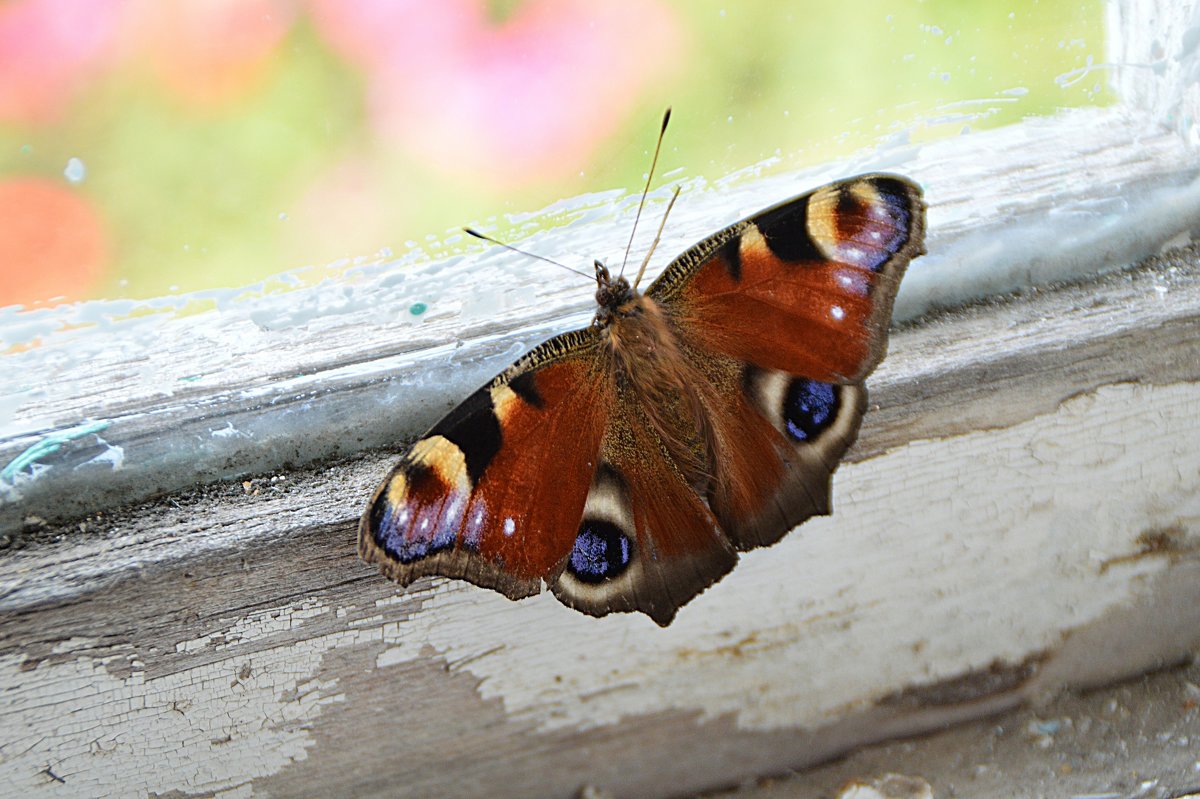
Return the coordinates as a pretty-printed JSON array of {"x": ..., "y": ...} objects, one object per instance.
[{"x": 533, "y": 492}]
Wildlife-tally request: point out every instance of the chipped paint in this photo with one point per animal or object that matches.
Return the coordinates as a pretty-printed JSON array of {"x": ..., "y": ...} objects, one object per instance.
[
  {"x": 256, "y": 626},
  {"x": 838, "y": 606},
  {"x": 48, "y": 445},
  {"x": 134, "y": 736},
  {"x": 836, "y": 611}
]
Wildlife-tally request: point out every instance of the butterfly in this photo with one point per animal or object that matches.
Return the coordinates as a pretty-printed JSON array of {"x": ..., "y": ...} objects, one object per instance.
[{"x": 624, "y": 465}]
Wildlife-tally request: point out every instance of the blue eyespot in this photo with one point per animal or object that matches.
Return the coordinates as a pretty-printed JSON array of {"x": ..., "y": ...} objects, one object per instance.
[
  {"x": 413, "y": 530},
  {"x": 809, "y": 408},
  {"x": 601, "y": 552}
]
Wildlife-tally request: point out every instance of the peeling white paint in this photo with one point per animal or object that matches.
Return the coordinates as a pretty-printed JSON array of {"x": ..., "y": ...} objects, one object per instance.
[
  {"x": 256, "y": 626},
  {"x": 229, "y": 431},
  {"x": 393, "y": 655},
  {"x": 113, "y": 456},
  {"x": 928, "y": 584},
  {"x": 209, "y": 728},
  {"x": 838, "y": 614}
]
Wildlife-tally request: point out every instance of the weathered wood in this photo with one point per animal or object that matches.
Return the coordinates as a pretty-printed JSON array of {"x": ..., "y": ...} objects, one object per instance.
[
  {"x": 1136, "y": 739},
  {"x": 322, "y": 372},
  {"x": 1020, "y": 515}
]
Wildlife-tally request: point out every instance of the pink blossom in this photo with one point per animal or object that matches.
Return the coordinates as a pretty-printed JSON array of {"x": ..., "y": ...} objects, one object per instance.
[
  {"x": 49, "y": 49},
  {"x": 210, "y": 52},
  {"x": 526, "y": 99}
]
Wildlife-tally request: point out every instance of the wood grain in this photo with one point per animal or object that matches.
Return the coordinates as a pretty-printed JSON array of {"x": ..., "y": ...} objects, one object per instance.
[{"x": 226, "y": 639}]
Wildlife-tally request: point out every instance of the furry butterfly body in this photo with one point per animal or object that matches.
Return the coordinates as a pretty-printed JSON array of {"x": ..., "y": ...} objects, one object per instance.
[{"x": 626, "y": 464}]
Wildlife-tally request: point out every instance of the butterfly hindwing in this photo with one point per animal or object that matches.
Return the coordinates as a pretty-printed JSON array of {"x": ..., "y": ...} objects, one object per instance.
[
  {"x": 812, "y": 424},
  {"x": 647, "y": 541}
]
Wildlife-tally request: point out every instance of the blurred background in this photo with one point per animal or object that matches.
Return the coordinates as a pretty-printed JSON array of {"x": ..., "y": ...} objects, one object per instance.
[{"x": 152, "y": 147}]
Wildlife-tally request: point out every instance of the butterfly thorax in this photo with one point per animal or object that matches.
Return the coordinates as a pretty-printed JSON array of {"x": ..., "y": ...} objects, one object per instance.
[
  {"x": 652, "y": 377},
  {"x": 611, "y": 295},
  {"x": 633, "y": 329}
]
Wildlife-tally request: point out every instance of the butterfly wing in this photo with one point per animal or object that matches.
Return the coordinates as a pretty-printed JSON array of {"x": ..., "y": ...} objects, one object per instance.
[
  {"x": 788, "y": 310},
  {"x": 806, "y": 286},
  {"x": 647, "y": 542},
  {"x": 495, "y": 491}
]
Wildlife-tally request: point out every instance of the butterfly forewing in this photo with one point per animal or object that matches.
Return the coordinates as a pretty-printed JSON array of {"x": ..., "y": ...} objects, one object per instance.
[
  {"x": 494, "y": 492},
  {"x": 805, "y": 287}
]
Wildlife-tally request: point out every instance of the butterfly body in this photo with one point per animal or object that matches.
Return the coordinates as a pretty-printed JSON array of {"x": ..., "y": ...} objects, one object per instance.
[{"x": 625, "y": 464}]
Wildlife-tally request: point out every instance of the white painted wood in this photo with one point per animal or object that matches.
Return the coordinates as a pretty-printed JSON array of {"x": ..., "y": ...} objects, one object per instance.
[
  {"x": 1019, "y": 515},
  {"x": 1152, "y": 62},
  {"x": 1034, "y": 526}
]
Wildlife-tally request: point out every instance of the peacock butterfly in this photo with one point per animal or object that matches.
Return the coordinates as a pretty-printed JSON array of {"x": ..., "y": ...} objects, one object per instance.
[{"x": 626, "y": 464}]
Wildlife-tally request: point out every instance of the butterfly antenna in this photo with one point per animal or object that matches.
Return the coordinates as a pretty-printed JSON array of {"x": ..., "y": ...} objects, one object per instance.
[
  {"x": 662, "y": 131},
  {"x": 478, "y": 235},
  {"x": 657, "y": 236}
]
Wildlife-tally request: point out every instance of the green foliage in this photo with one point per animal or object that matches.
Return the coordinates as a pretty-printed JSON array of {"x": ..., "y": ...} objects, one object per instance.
[{"x": 206, "y": 197}]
